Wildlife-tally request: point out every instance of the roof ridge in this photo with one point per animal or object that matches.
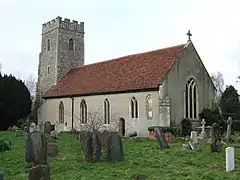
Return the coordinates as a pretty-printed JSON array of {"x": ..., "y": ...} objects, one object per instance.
[{"x": 126, "y": 56}]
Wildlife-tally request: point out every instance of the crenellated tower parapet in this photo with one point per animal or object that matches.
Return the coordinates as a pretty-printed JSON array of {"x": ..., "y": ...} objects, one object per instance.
[{"x": 64, "y": 24}]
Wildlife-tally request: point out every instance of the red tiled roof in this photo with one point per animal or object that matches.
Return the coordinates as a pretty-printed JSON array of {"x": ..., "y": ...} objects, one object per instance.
[{"x": 133, "y": 72}]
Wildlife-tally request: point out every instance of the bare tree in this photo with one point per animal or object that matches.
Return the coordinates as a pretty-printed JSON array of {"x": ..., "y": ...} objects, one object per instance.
[
  {"x": 218, "y": 81},
  {"x": 30, "y": 82}
]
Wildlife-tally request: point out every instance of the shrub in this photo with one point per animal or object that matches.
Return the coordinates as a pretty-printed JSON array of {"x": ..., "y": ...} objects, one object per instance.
[
  {"x": 5, "y": 145},
  {"x": 175, "y": 129},
  {"x": 186, "y": 127}
]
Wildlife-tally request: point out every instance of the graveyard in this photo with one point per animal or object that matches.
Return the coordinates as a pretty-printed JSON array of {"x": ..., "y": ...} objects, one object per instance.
[{"x": 143, "y": 159}]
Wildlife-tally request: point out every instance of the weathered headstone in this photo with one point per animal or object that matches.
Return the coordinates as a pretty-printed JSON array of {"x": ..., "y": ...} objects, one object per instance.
[
  {"x": 216, "y": 143},
  {"x": 161, "y": 138},
  {"x": 1, "y": 176},
  {"x": 230, "y": 164},
  {"x": 194, "y": 145},
  {"x": 37, "y": 127},
  {"x": 203, "y": 133},
  {"x": 39, "y": 172},
  {"x": 88, "y": 151},
  {"x": 47, "y": 127},
  {"x": 115, "y": 148},
  {"x": 229, "y": 130},
  {"x": 36, "y": 148},
  {"x": 194, "y": 137},
  {"x": 96, "y": 146},
  {"x": 32, "y": 127},
  {"x": 57, "y": 128},
  {"x": 52, "y": 149}
]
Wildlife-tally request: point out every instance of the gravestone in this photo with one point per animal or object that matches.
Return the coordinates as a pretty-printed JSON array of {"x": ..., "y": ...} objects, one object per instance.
[
  {"x": 194, "y": 145},
  {"x": 115, "y": 148},
  {"x": 88, "y": 151},
  {"x": 230, "y": 164},
  {"x": 96, "y": 146},
  {"x": 37, "y": 127},
  {"x": 32, "y": 127},
  {"x": 194, "y": 137},
  {"x": 52, "y": 149},
  {"x": 39, "y": 172},
  {"x": 47, "y": 127},
  {"x": 57, "y": 128},
  {"x": 216, "y": 144},
  {"x": 1, "y": 176},
  {"x": 36, "y": 148},
  {"x": 203, "y": 134},
  {"x": 229, "y": 130},
  {"x": 160, "y": 137}
]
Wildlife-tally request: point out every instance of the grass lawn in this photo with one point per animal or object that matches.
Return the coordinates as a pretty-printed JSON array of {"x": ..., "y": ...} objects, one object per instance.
[{"x": 141, "y": 157}]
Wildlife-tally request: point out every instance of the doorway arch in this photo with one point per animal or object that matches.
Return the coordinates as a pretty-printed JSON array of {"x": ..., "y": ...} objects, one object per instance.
[{"x": 122, "y": 126}]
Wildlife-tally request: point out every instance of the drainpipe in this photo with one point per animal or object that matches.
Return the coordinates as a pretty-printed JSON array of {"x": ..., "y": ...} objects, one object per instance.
[{"x": 72, "y": 110}]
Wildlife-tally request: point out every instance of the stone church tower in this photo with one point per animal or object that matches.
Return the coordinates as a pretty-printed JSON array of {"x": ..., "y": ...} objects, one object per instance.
[{"x": 62, "y": 49}]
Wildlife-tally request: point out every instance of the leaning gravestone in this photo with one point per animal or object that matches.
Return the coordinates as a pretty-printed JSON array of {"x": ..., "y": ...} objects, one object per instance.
[
  {"x": 36, "y": 148},
  {"x": 115, "y": 148},
  {"x": 39, "y": 173},
  {"x": 47, "y": 128},
  {"x": 216, "y": 143},
  {"x": 161, "y": 138}
]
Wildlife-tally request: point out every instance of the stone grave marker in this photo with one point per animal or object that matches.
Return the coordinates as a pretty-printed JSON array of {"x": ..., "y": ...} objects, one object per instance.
[
  {"x": 32, "y": 127},
  {"x": 36, "y": 148},
  {"x": 194, "y": 145},
  {"x": 161, "y": 138},
  {"x": 229, "y": 130},
  {"x": 88, "y": 151},
  {"x": 115, "y": 148},
  {"x": 1, "y": 176},
  {"x": 39, "y": 172},
  {"x": 54, "y": 134},
  {"x": 203, "y": 134},
  {"x": 230, "y": 164},
  {"x": 52, "y": 149},
  {"x": 47, "y": 127},
  {"x": 216, "y": 143},
  {"x": 96, "y": 146},
  {"x": 37, "y": 127}
]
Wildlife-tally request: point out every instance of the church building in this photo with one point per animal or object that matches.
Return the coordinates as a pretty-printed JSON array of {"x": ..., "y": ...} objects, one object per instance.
[{"x": 127, "y": 94}]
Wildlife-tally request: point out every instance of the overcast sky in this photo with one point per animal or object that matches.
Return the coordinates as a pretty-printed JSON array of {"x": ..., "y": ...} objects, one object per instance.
[{"x": 117, "y": 28}]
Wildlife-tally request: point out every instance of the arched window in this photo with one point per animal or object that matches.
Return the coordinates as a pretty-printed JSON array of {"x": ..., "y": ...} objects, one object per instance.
[
  {"x": 61, "y": 113},
  {"x": 83, "y": 112},
  {"x": 70, "y": 44},
  {"x": 149, "y": 112},
  {"x": 191, "y": 99},
  {"x": 134, "y": 108},
  {"x": 106, "y": 112},
  {"x": 48, "y": 44}
]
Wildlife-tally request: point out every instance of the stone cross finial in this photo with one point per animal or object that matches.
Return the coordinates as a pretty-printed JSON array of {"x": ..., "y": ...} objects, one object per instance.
[{"x": 189, "y": 35}]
